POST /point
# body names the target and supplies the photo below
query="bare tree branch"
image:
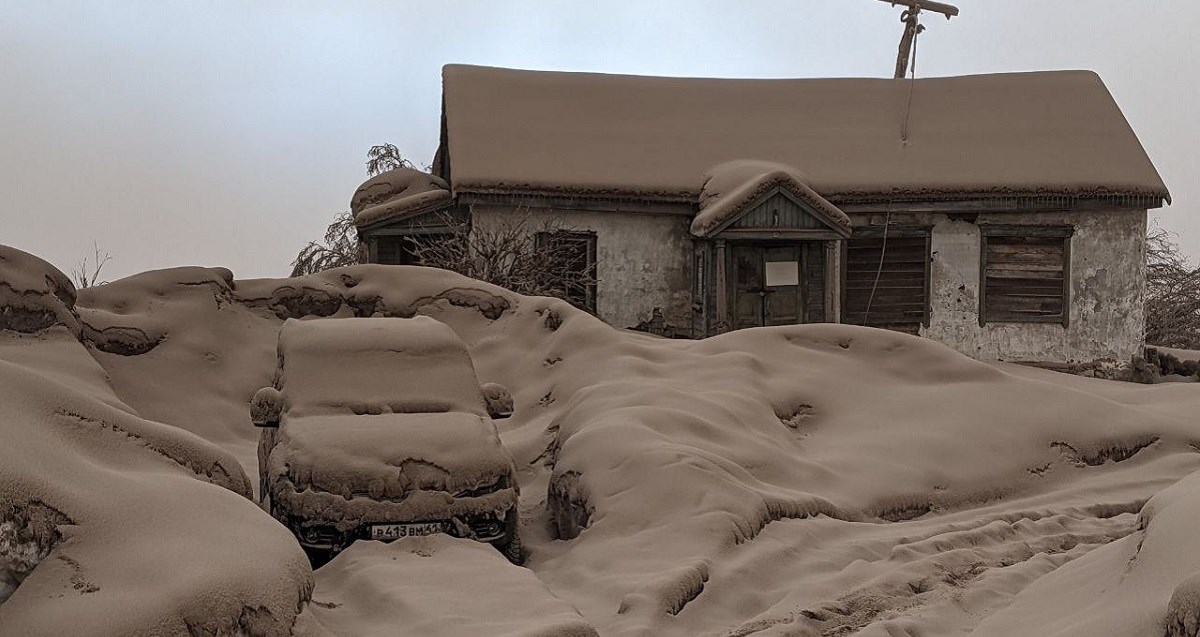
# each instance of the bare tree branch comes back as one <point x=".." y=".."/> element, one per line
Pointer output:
<point x="340" y="248"/>
<point x="384" y="157"/>
<point x="86" y="276"/>
<point x="506" y="253"/>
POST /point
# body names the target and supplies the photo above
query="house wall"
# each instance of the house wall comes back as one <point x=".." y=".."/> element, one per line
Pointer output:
<point x="643" y="260"/>
<point x="1106" y="320"/>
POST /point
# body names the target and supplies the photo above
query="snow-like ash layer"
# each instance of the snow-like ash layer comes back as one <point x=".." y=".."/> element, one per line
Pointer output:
<point x="126" y="319"/>
<point x="1006" y="134"/>
<point x="114" y="525"/>
<point x="690" y="450"/>
<point x="34" y="295"/>
<point x="800" y="480"/>
<point x="435" y="586"/>
<point x="376" y="365"/>
<point x="1144" y="584"/>
<point x="397" y="193"/>
<point x="729" y="187"/>
<point x="211" y="352"/>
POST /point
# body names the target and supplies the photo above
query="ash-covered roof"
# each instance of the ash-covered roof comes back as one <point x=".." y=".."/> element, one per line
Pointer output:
<point x="396" y="194"/>
<point x="1013" y="134"/>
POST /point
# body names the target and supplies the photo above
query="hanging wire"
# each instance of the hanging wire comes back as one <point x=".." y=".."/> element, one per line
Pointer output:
<point x="887" y="221"/>
<point x="912" y="81"/>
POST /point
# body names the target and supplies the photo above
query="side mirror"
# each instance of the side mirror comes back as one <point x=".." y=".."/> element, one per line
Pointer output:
<point x="265" y="406"/>
<point x="499" y="400"/>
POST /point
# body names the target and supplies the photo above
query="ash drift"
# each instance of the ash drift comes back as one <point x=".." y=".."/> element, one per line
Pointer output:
<point x="799" y="480"/>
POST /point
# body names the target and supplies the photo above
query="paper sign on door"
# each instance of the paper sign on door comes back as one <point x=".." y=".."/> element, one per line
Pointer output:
<point x="782" y="273"/>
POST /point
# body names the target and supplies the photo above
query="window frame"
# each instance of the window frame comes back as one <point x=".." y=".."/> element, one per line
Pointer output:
<point x="1061" y="232"/>
<point x="587" y="237"/>
<point x="897" y="230"/>
<point x="402" y="246"/>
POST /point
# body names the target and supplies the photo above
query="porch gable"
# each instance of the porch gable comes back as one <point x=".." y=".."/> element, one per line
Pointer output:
<point x="780" y="214"/>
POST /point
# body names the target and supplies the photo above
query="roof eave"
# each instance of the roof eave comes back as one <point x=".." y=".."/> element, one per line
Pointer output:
<point x="1138" y="197"/>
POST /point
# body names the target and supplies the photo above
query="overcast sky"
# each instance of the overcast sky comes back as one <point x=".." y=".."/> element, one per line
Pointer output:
<point x="229" y="133"/>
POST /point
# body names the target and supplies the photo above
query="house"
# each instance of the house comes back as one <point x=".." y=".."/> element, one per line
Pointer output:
<point x="1003" y="214"/>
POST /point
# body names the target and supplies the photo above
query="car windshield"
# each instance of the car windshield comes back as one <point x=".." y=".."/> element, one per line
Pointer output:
<point x="370" y="366"/>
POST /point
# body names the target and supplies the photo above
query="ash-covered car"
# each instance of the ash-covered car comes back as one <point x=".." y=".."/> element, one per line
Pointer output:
<point x="377" y="428"/>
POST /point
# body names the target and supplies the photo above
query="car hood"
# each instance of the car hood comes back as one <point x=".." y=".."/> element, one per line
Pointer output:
<point x="387" y="456"/>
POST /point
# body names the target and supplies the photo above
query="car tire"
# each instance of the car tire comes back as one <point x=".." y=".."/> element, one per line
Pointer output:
<point x="511" y="546"/>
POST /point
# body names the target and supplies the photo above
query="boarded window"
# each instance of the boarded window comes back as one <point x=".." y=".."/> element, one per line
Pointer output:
<point x="1026" y="274"/>
<point x="887" y="280"/>
<point x="572" y="257"/>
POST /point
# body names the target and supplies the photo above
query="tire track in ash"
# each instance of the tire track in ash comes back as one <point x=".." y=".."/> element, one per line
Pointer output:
<point x="827" y="577"/>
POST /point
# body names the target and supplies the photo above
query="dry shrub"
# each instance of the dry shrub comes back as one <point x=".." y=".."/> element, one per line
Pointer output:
<point x="1172" y="293"/>
<point x="88" y="275"/>
<point x="508" y="254"/>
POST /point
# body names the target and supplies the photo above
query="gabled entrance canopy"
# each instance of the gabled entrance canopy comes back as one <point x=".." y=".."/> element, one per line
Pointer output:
<point x="763" y="200"/>
<point x="773" y="243"/>
<point x="397" y="205"/>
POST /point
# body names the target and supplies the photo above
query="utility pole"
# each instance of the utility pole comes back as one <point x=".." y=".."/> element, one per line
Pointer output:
<point x="912" y="27"/>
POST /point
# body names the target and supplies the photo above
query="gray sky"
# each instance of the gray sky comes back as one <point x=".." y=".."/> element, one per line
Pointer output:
<point x="229" y="133"/>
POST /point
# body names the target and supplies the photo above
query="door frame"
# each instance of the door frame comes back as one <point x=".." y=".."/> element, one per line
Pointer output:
<point x="727" y="314"/>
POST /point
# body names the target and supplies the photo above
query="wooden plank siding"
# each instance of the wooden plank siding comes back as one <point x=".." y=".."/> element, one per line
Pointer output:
<point x="814" y="281"/>
<point x="779" y="210"/>
<point x="886" y="282"/>
<point x="1026" y="277"/>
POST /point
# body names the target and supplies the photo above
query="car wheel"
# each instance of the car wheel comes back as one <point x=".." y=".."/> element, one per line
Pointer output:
<point x="511" y="546"/>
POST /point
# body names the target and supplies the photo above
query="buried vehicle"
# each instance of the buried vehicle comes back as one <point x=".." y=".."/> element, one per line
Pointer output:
<point x="377" y="428"/>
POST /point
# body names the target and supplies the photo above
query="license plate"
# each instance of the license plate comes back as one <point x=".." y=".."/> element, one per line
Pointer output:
<point x="397" y="531"/>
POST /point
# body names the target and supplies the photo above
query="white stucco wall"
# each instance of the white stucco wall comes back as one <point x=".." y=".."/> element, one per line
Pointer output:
<point x="1107" y="291"/>
<point x="643" y="260"/>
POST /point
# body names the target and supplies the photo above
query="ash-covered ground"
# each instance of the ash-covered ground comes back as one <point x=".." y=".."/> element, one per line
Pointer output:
<point x="807" y="480"/>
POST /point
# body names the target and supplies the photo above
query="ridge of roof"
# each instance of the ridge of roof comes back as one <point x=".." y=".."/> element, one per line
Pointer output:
<point x="456" y="68"/>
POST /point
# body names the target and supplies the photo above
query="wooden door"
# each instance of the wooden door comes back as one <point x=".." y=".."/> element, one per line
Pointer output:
<point x="781" y="279"/>
<point x="748" y="289"/>
<point x="767" y="285"/>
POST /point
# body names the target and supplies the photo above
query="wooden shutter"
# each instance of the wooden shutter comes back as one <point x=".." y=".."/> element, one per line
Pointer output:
<point x="901" y="296"/>
<point x="1026" y="275"/>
